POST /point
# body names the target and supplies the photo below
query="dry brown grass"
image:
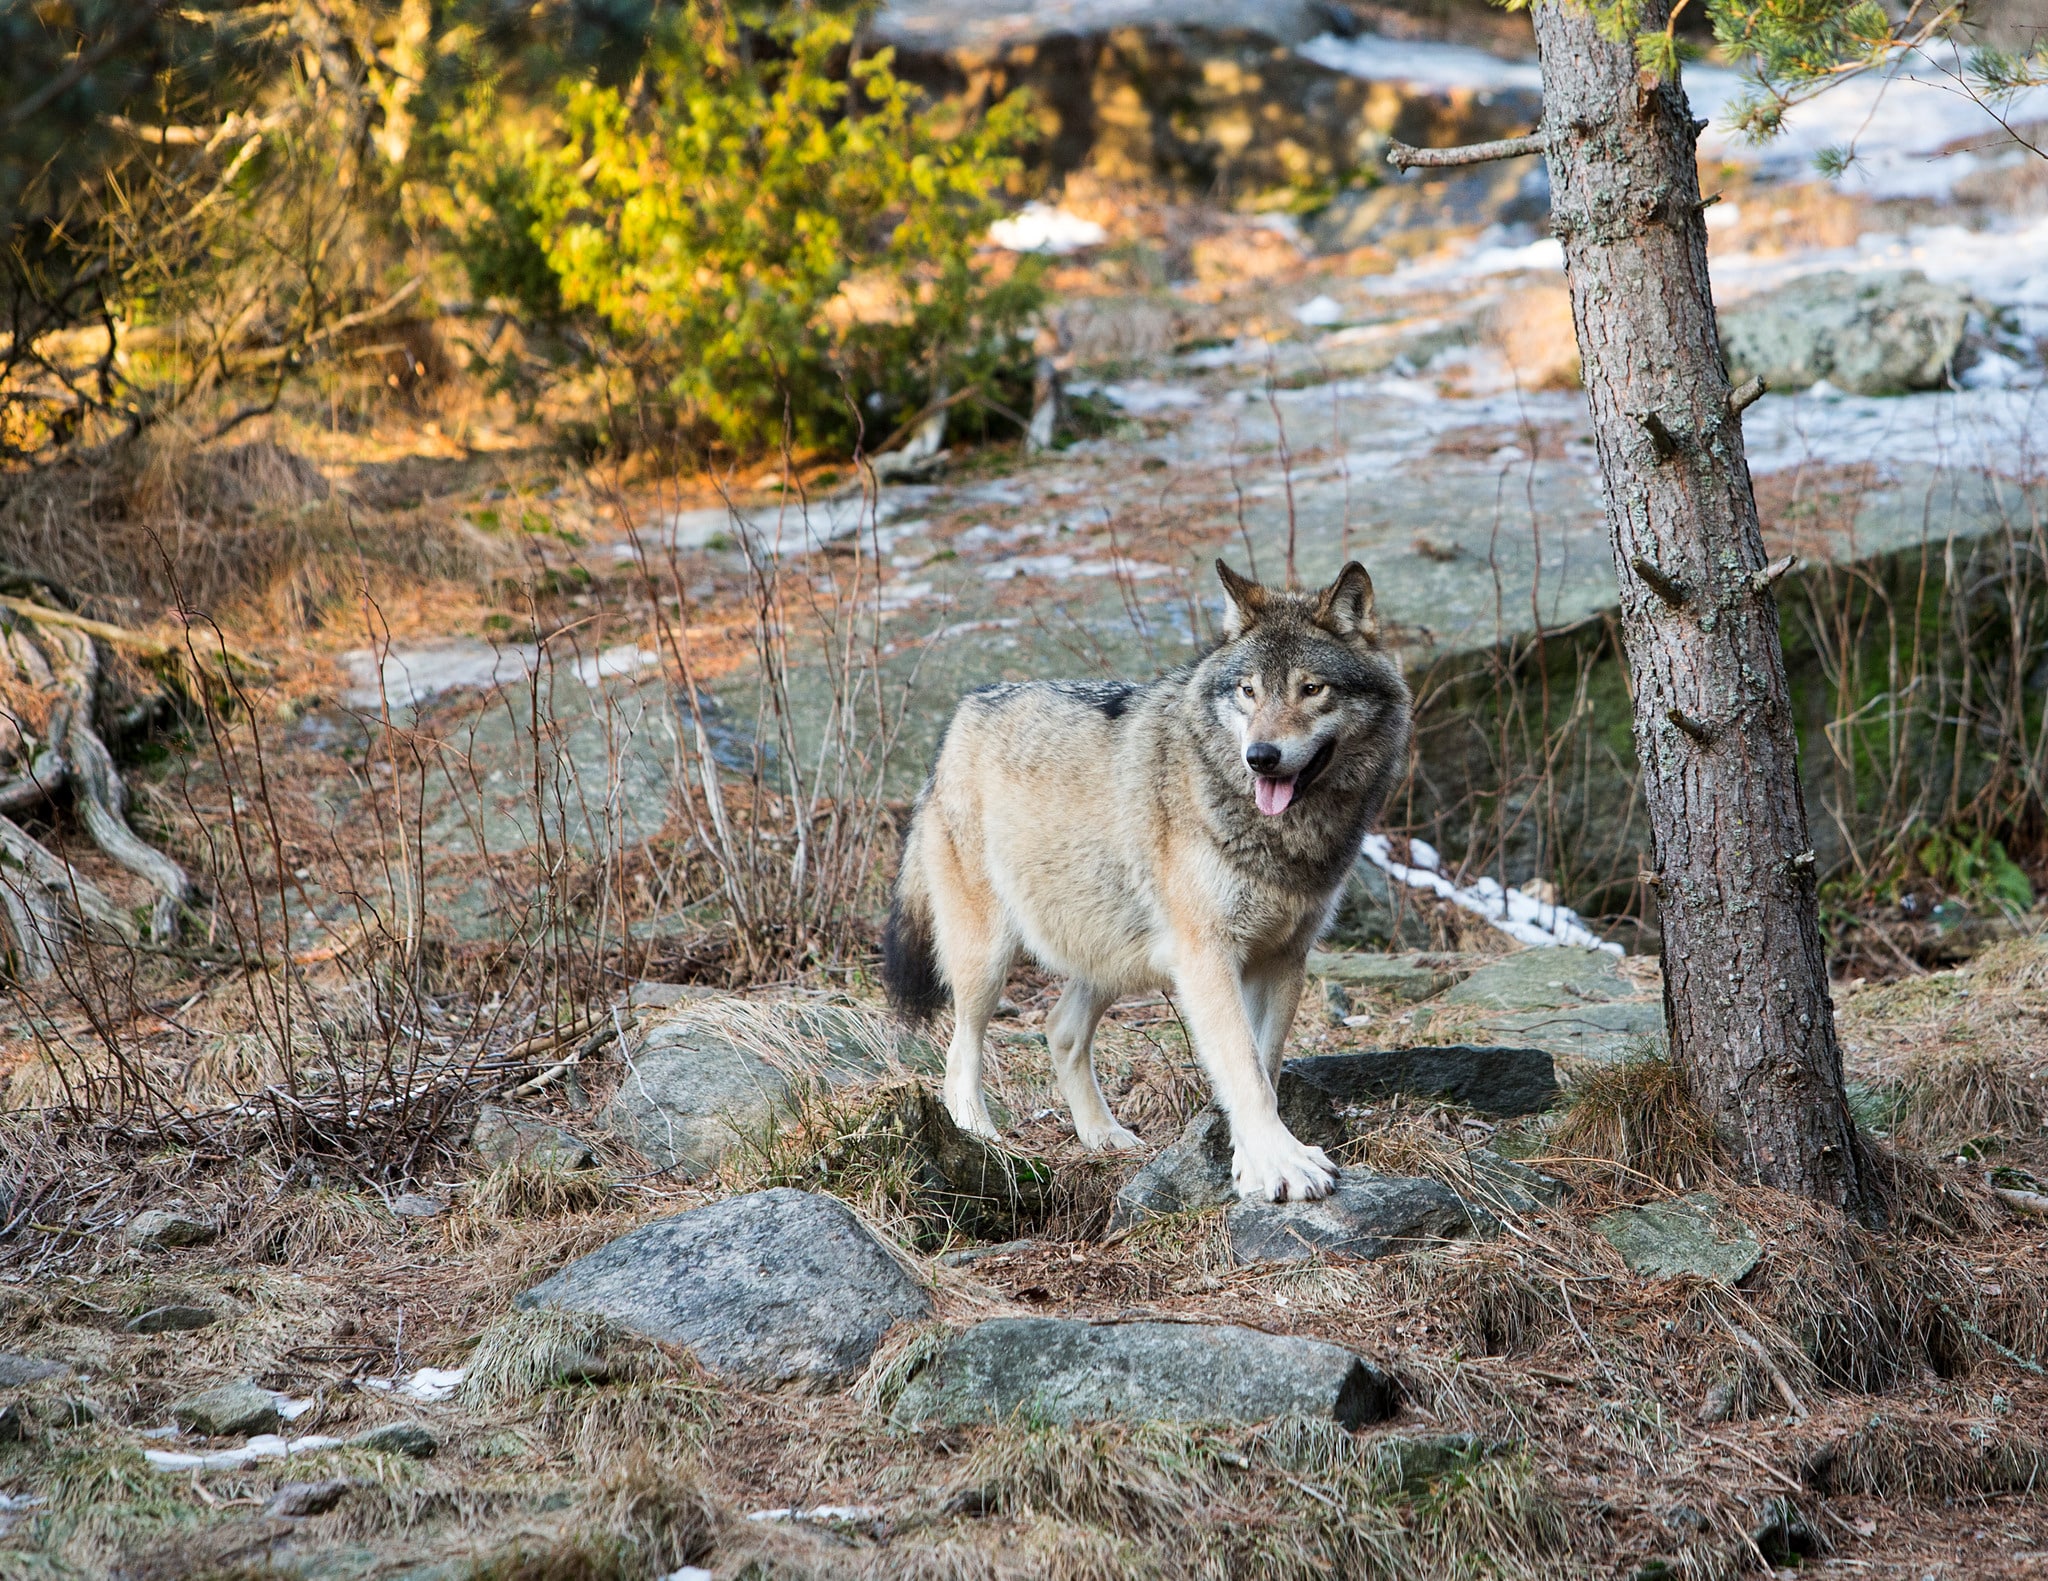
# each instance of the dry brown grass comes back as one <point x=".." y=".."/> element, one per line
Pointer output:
<point x="250" y="528"/>
<point x="1635" y="1122"/>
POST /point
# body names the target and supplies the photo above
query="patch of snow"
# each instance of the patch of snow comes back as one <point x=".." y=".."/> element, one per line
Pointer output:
<point x="1041" y="228"/>
<point x="1897" y="122"/>
<point x="1375" y="58"/>
<point x="793" y="527"/>
<point x="1320" y="312"/>
<point x="1062" y="565"/>
<point x="264" y="1446"/>
<point x="688" y="1573"/>
<point x="1987" y="430"/>
<point x="857" y="1513"/>
<point x="411" y="676"/>
<point x="627" y="658"/>
<point x="1141" y="397"/>
<point x="431" y="1385"/>
<point x="1520" y="916"/>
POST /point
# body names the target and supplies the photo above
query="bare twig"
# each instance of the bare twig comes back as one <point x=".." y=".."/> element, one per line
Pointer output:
<point x="1404" y="157"/>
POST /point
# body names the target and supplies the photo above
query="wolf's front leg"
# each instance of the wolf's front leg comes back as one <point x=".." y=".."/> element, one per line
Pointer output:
<point x="1271" y="1165"/>
<point x="1272" y="993"/>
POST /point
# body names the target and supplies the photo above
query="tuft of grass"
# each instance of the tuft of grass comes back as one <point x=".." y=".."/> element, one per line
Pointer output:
<point x="1637" y="1120"/>
<point x="1953" y="1097"/>
<point x="645" y="1520"/>
<point x="1932" y="1461"/>
<point x="530" y="1188"/>
<point x="522" y="1353"/>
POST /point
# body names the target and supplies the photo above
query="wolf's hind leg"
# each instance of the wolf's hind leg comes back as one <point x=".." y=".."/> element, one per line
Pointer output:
<point x="975" y="952"/>
<point x="1070" y="1030"/>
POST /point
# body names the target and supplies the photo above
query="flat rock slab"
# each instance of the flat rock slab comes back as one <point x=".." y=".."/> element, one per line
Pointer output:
<point x="1602" y="1033"/>
<point x="705" y="1075"/>
<point x="773" y="1288"/>
<point x="1544" y="979"/>
<point x="1065" y="1370"/>
<point x="1504" y="1081"/>
<point x="172" y="1319"/>
<point x="1408" y="979"/>
<point x="229" y="1411"/>
<point x="1694" y="1236"/>
<point x="1367" y="1216"/>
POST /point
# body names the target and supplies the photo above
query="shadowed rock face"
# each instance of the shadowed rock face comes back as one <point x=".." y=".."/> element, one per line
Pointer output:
<point x="1062" y="1370"/>
<point x="1505" y="1081"/>
<point x="773" y="1288"/>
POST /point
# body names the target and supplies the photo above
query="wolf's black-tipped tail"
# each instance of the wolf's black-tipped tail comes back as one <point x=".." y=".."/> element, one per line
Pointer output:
<point x="910" y="956"/>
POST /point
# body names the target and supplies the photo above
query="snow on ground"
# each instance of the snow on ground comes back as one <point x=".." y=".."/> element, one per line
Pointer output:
<point x="1521" y="917"/>
<point x="2000" y="431"/>
<point x="1897" y="123"/>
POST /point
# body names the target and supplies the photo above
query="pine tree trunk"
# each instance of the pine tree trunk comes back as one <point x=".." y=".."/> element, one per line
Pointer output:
<point x="1745" y="978"/>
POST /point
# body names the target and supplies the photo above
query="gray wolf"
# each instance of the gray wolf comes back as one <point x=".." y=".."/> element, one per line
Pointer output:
<point x="1191" y="834"/>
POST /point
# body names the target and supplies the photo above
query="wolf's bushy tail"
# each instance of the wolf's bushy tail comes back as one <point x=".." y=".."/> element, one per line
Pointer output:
<point x="910" y="956"/>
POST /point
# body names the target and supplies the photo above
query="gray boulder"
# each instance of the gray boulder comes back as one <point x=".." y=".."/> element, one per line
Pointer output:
<point x="156" y="1229"/>
<point x="773" y="1288"/>
<point x="1367" y="1216"/>
<point x="1505" y="1081"/>
<point x="1870" y="334"/>
<point x="229" y="1411"/>
<point x="1065" y="1370"/>
<point x="1695" y="1236"/>
<point x="295" y="1500"/>
<point x="706" y="1074"/>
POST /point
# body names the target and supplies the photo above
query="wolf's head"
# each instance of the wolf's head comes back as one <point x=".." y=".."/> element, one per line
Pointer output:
<point x="1307" y="694"/>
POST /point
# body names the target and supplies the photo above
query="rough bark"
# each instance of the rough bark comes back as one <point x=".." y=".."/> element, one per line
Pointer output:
<point x="1745" y="977"/>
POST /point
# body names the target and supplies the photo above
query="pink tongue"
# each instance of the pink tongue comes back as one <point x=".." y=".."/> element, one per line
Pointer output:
<point x="1272" y="795"/>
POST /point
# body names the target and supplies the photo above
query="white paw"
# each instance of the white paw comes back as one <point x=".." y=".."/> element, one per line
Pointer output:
<point x="1277" y="1168"/>
<point x="1108" y="1138"/>
<point x="973" y="1118"/>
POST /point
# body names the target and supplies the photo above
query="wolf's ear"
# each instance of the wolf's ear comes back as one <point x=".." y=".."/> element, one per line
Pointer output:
<point x="1346" y="606"/>
<point x="1247" y="601"/>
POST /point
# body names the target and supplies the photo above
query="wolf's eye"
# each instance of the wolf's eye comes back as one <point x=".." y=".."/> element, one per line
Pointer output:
<point x="1249" y="690"/>
<point x="1310" y="688"/>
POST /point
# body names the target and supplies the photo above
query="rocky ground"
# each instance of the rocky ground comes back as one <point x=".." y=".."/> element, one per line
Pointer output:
<point x="516" y="1176"/>
<point x="734" y="1294"/>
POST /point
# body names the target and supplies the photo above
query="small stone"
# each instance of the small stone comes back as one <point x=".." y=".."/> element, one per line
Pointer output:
<point x="772" y="1288"/>
<point x="230" y="1411"/>
<point x="1367" y="1216"/>
<point x="1719" y="1404"/>
<point x="502" y="1136"/>
<point x="1337" y="1007"/>
<point x="399" y="1438"/>
<point x="968" y="1256"/>
<point x="1504" y="1081"/>
<point x="156" y="1228"/>
<point x="1065" y="1370"/>
<point x="19" y="1371"/>
<point x="297" y="1499"/>
<point x="418" y="1205"/>
<point x="15" y="1423"/>
<point x="172" y="1319"/>
<point x="1695" y="1236"/>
